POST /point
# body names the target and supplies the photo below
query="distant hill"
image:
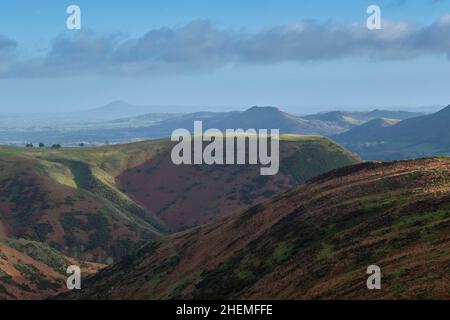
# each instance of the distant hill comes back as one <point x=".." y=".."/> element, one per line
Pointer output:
<point x="365" y="131"/>
<point x="120" y="122"/>
<point x="332" y="116"/>
<point x="121" y="109"/>
<point x="389" y="114"/>
<point x="313" y="242"/>
<point x="116" y="110"/>
<point x="253" y="118"/>
<point x="422" y="136"/>
<point x="352" y="119"/>
<point x="151" y="126"/>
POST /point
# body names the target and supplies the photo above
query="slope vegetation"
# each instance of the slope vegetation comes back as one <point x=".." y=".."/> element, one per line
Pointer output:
<point x="187" y="196"/>
<point x="68" y="199"/>
<point x="32" y="270"/>
<point x="315" y="241"/>
<point x="101" y="204"/>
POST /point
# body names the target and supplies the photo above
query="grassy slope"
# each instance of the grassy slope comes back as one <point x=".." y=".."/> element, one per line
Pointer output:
<point x="71" y="193"/>
<point x="32" y="270"/>
<point x="315" y="241"/>
<point x="68" y="198"/>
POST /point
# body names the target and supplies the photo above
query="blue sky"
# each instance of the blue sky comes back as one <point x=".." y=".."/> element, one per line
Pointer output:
<point x="223" y="53"/>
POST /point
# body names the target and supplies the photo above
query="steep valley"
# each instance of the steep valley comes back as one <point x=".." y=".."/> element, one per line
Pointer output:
<point x="102" y="204"/>
<point x="315" y="241"/>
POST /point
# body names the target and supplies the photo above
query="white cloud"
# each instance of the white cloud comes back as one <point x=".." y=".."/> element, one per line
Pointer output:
<point x="201" y="46"/>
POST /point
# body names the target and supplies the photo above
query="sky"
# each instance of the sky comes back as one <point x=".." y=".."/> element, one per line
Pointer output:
<point x="312" y="55"/>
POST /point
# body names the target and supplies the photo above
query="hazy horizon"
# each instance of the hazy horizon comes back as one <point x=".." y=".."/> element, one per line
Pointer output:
<point x="299" y="110"/>
<point x="299" y="55"/>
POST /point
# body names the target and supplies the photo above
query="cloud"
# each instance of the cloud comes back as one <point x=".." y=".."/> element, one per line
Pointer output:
<point x="200" y="46"/>
<point x="7" y="49"/>
<point x="196" y="46"/>
<point x="6" y="45"/>
<point x="313" y="41"/>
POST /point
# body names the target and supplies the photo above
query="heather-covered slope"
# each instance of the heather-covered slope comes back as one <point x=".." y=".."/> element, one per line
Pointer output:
<point x="32" y="270"/>
<point x="69" y="199"/>
<point x="315" y="241"/>
<point x="187" y="195"/>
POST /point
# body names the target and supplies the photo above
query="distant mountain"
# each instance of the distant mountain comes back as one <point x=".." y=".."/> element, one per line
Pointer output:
<point x="388" y="114"/>
<point x="313" y="242"/>
<point x="352" y="119"/>
<point x="151" y="125"/>
<point x="253" y="118"/>
<point x="332" y="116"/>
<point x="121" y="109"/>
<point x="422" y="136"/>
<point x="116" y="110"/>
<point x="365" y="131"/>
<point x="268" y="118"/>
<point x="120" y="122"/>
<point x="265" y="118"/>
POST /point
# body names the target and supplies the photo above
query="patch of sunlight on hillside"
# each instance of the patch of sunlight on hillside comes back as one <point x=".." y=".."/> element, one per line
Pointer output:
<point x="354" y="121"/>
<point x="57" y="172"/>
<point x="300" y="137"/>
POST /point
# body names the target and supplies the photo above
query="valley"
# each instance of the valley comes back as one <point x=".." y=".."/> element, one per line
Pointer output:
<point x="253" y="153"/>
<point x="99" y="205"/>
<point x="127" y="215"/>
<point x="313" y="242"/>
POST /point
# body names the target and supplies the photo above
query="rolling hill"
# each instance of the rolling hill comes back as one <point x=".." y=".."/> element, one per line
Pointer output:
<point x="366" y="131"/>
<point x="253" y="118"/>
<point x="188" y="196"/>
<point x="411" y="138"/>
<point x="151" y="126"/>
<point x="68" y="199"/>
<point x="101" y="204"/>
<point x="352" y="119"/>
<point x="315" y="241"/>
